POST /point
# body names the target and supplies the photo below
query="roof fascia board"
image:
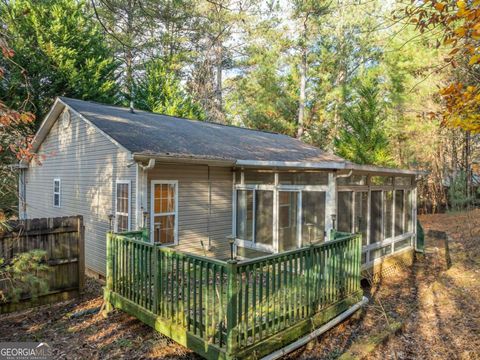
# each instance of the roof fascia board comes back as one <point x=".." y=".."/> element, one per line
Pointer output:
<point x="47" y="124"/>
<point x="381" y="170"/>
<point x="115" y="142"/>
<point x="292" y="164"/>
<point x="183" y="160"/>
<point x="50" y="120"/>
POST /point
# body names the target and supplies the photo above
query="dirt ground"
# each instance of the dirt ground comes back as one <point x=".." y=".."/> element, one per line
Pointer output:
<point x="428" y="311"/>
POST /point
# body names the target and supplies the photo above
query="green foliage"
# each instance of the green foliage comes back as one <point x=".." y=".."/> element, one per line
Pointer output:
<point x="25" y="274"/>
<point x="160" y="91"/>
<point x="458" y="194"/>
<point x="362" y="138"/>
<point x="60" y="49"/>
<point x="263" y="96"/>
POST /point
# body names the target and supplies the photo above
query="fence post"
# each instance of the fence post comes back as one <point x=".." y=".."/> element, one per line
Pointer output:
<point x="81" y="254"/>
<point x="232" y="294"/>
<point x="109" y="273"/>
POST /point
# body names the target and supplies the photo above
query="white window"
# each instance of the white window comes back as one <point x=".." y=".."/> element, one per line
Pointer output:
<point x="164" y="212"/>
<point x="122" y="206"/>
<point x="57" y="190"/>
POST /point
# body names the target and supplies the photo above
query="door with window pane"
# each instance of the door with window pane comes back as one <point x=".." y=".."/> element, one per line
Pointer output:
<point x="164" y="212"/>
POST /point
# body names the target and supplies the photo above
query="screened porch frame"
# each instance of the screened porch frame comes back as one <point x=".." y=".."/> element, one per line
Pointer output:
<point x="355" y="189"/>
<point x="276" y="188"/>
<point x="331" y="208"/>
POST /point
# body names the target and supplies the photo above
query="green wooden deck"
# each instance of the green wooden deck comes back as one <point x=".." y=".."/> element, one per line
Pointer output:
<point x="233" y="310"/>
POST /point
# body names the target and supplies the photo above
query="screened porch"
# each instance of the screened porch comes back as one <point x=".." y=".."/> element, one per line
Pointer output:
<point x="277" y="211"/>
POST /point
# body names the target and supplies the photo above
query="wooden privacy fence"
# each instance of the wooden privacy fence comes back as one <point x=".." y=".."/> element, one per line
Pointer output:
<point x="233" y="309"/>
<point x="62" y="239"/>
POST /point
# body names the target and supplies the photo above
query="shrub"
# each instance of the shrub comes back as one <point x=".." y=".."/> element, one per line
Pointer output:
<point x="25" y="274"/>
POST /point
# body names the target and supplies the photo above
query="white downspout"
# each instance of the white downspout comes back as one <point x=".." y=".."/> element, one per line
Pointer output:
<point x="149" y="166"/>
<point x="142" y="191"/>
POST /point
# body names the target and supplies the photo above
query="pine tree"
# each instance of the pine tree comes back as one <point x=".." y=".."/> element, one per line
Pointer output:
<point x="160" y="91"/>
<point x="61" y="51"/>
<point x="362" y="137"/>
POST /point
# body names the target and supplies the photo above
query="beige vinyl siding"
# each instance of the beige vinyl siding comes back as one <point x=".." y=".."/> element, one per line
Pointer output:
<point x="196" y="222"/>
<point x="88" y="164"/>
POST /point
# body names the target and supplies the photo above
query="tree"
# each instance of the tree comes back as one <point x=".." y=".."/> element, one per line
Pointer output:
<point x="15" y="134"/>
<point x="61" y="50"/>
<point x="264" y="91"/>
<point x="219" y="38"/>
<point x="362" y="138"/>
<point x="307" y="14"/>
<point x="458" y="194"/>
<point x="160" y="91"/>
<point x="459" y="25"/>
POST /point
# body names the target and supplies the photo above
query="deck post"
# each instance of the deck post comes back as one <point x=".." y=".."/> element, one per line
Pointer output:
<point x="156" y="279"/>
<point x="311" y="300"/>
<point x="109" y="273"/>
<point x="232" y="308"/>
<point x="358" y="260"/>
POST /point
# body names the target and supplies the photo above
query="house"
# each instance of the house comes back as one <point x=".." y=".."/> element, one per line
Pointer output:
<point x="193" y="184"/>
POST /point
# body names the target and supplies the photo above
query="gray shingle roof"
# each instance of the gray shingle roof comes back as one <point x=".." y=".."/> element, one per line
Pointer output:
<point x="153" y="134"/>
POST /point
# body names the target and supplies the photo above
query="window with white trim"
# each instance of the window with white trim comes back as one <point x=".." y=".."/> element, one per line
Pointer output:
<point x="57" y="190"/>
<point x="122" y="206"/>
<point x="164" y="212"/>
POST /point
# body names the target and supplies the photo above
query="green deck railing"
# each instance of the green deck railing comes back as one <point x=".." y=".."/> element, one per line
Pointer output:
<point x="233" y="309"/>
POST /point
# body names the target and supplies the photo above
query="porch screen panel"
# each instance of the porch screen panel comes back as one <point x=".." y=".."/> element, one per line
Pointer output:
<point x="361" y="210"/>
<point x="313" y="217"/>
<point x="409" y="209"/>
<point x="245" y="215"/>
<point x="388" y="214"/>
<point x="399" y="211"/>
<point x="345" y="211"/>
<point x="264" y="217"/>
<point x="287" y="220"/>
<point x="375" y="217"/>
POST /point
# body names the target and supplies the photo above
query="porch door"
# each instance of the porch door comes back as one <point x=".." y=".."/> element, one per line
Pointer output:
<point x="164" y="212"/>
<point x="288" y="210"/>
<point x="301" y="218"/>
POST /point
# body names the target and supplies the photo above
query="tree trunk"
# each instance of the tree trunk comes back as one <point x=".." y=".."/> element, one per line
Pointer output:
<point x="303" y="84"/>
<point x="218" y="85"/>
<point x="467" y="164"/>
<point x="129" y="58"/>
